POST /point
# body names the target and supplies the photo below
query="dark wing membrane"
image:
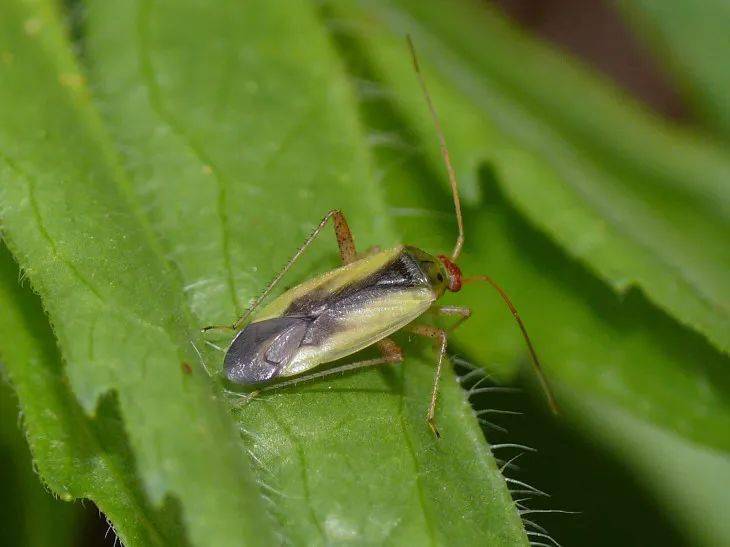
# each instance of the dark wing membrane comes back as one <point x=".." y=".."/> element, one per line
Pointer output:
<point x="403" y="272"/>
<point x="260" y="350"/>
<point x="328" y="311"/>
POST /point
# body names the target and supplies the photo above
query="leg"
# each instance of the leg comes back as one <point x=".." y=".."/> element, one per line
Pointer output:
<point x="345" y="242"/>
<point x="433" y="332"/>
<point x="393" y="358"/>
<point x="463" y="312"/>
<point x="390" y="351"/>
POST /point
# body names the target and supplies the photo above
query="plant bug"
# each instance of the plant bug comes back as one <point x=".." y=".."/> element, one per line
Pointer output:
<point x="360" y="304"/>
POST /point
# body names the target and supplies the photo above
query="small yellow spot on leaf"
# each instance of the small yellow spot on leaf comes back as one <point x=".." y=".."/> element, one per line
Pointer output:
<point x="73" y="80"/>
<point x="207" y="170"/>
<point x="32" y="26"/>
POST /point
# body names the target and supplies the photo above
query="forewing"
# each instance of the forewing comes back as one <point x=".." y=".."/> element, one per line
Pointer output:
<point x="356" y="323"/>
<point x="260" y="351"/>
<point x="305" y="297"/>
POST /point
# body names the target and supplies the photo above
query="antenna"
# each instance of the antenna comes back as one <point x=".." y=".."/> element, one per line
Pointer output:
<point x="444" y="152"/>
<point x="535" y="361"/>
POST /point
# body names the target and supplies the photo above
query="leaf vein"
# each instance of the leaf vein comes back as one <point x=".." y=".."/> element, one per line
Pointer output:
<point x="156" y="103"/>
<point x="411" y="451"/>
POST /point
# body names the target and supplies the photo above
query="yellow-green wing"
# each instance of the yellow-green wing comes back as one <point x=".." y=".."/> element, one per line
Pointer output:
<point x="329" y="282"/>
<point x="357" y="324"/>
<point x="352" y="307"/>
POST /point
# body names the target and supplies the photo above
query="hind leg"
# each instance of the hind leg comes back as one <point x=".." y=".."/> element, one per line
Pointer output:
<point x="345" y="242"/>
<point x="440" y="334"/>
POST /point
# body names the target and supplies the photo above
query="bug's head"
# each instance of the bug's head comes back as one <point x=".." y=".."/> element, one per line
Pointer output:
<point x="452" y="272"/>
<point x="443" y="275"/>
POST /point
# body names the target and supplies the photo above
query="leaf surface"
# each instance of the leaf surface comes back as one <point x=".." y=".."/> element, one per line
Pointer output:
<point x="116" y="307"/>
<point x="30" y="515"/>
<point x="76" y="456"/>
<point x="688" y="479"/>
<point x="235" y="144"/>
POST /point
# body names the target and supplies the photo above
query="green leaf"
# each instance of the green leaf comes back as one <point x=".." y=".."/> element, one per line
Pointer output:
<point x="620" y="349"/>
<point x="691" y="39"/>
<point x="690" y="480"/>
<point x="617" y="348"/>
<point x="252" y="167"/>
<point x="238" y="131"/>
<point x="29" y="515"/>
<point x="116" y="307"/>
<point x="626" y="194"/>
<point x="76" y="456"/>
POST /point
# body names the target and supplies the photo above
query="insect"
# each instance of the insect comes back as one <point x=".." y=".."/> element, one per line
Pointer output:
<point x="360" y="304"/>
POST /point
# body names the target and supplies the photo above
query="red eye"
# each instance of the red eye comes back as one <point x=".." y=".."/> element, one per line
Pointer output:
<point x="454" y="273"/>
